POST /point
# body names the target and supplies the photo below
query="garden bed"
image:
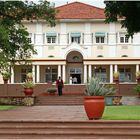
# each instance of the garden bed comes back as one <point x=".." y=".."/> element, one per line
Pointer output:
<point x="27" y="101"/>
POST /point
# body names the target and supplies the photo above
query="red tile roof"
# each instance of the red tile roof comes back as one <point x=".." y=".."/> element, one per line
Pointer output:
<point x="78" y="10"/>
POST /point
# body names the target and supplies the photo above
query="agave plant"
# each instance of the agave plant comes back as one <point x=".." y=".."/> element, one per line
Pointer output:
<point x="95" y="87"/>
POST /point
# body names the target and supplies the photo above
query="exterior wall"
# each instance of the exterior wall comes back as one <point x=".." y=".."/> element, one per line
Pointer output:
<point x="17" y="89"/>
<point x="75" y="27"/>
<point x="100" y="49"/>
<point x="111" y="48"/>
<point x="99" y="27"/>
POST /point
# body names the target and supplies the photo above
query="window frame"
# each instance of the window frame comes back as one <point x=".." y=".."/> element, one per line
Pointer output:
<point x="102" y="39"/>
<point x="52" y="38"/>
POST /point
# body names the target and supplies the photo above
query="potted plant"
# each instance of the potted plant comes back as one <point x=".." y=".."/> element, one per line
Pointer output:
<point x="116" y="76"/>
<point x="137" y="89"/>
<point x="51" y="90"/>
<point x="6" y="76"/>
<point x="29" y="76"/>
<point x="138" y="76"/>
<point x="110" y="97"/>
<point x="28" y="87"/>
<point x="94" y="102"/>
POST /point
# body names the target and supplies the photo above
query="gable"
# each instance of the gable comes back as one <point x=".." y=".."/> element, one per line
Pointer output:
<point x="78" y="10"/>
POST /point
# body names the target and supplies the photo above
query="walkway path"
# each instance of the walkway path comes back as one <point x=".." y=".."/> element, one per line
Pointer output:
<point x="53" y="113"/>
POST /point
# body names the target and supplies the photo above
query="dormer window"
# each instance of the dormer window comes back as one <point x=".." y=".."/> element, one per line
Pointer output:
<point x="100" y="37"/>
<point x="76" y="37"/>
<point x="51" y="38"/>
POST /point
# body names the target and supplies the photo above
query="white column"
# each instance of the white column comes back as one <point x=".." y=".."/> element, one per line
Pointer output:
<point x="116" y="68"/>
<point x="85" y="73"/>
<point x="111" y="73"/>
<point x="89" y="72"/>
<point x="137" y="67"/>
<point x="37" y="73"/>
<point x="33" y="72"/>
<point x="12" y="75"/>
<point x="64" y="73"/>
<point x="59" y="70"/>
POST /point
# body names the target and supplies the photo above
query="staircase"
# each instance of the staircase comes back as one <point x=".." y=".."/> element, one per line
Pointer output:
<point x="59" y="100"/>
<point x="97" y="129"/>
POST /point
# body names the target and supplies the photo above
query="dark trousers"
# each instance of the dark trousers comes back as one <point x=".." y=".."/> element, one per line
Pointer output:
<point x="59" y="90"/>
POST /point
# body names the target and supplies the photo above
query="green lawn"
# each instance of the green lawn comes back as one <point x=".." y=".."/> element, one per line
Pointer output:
<point x="121" y="113"/>
<point x="6" y="107"/>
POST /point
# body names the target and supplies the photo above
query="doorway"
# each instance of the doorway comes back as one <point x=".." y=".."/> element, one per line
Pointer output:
<point x="74" y="67"/>
<point x="77" y="77"/>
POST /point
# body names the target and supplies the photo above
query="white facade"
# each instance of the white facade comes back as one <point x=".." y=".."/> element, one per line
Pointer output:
<point x="82" y="47"/>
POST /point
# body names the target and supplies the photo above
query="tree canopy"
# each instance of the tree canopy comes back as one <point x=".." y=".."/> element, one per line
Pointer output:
<point x="127" y="11"/>
<point x="14" y="37"/>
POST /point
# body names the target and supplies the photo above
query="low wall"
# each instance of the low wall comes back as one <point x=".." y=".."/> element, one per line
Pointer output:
<point x="17" y="89"/>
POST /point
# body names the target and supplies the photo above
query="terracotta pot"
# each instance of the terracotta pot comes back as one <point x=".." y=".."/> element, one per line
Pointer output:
<point x="116" y="80"/>
<point x="28" y="91"/>
<point x="138" y="79"/>
<point x="5" y="81"/>
<point x="94" y="106"/>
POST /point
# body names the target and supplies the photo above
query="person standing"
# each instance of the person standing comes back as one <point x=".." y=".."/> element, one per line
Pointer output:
<point x="60" y="85"/>
<point x="75" y="80"/>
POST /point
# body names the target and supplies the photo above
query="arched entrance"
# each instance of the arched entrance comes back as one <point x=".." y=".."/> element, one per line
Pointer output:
<point x="74" y="67"/>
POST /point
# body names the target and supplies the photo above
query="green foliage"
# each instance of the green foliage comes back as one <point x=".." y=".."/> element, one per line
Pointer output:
<point x="137" y="88"/>
<point x="96" y="87"/>
<point x="128" y="11"/>
<point x="14" y="42"/>
<point x="51" y="90"/>
<point x="28" y="84"/>
<point x="6" y="75"/>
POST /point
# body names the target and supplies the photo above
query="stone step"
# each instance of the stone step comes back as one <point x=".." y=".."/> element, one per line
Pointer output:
<point x="69" y="129"/>
<point x="59" y="100"/>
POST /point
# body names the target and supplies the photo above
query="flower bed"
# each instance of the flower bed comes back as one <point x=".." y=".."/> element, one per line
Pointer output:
<point x="27" y="101"/>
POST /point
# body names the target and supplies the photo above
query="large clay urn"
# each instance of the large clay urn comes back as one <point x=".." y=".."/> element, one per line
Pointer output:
<point x="28" y="91"/>
<point x="94" y="106"/>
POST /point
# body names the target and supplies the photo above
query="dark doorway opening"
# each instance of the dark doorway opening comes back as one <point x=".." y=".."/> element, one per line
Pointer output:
<point x="78" y="77"/>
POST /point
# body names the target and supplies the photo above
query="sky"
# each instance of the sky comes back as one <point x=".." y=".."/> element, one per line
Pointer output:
<point x="97" y="3"/>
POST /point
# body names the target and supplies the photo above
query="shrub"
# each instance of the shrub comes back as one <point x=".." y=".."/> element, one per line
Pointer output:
<point x="96" y="87"/>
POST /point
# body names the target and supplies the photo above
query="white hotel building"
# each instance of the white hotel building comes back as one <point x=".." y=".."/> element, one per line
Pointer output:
<point x="80" y="45"/>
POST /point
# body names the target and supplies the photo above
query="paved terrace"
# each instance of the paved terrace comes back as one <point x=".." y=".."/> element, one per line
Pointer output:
<point x="50" y="113"/>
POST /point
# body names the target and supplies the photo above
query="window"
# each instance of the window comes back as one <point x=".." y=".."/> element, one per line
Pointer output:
<point x="100" y="73"/>
<point x="51" y="74"/>
<point x="100" y="37"/>
<point x="75" y="70"/>
<point x="30" y="38"/>
<point x="76" y="37"/>
<point x="124" y="38"/>
<point x="125" y="74"/>
<point x="51" y="38"/>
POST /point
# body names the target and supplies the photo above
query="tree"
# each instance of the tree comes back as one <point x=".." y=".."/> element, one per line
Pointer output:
<point x="127" y="11"/>
<point x="14" y="42"/>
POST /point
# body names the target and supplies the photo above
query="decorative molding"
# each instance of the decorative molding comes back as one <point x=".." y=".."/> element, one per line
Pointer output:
<point x="124" y="47"/>
<point x="50" y="47"/>
<point x="100" y="47"/>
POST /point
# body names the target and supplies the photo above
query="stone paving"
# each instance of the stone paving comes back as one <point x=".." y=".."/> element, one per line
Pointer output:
<point x="129" y="100"/>
<point x="50" y="113"/>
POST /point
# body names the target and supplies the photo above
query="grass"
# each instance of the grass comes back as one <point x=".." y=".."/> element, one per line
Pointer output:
<point x="6" y="107"/>
<point x="121" y="113"/>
